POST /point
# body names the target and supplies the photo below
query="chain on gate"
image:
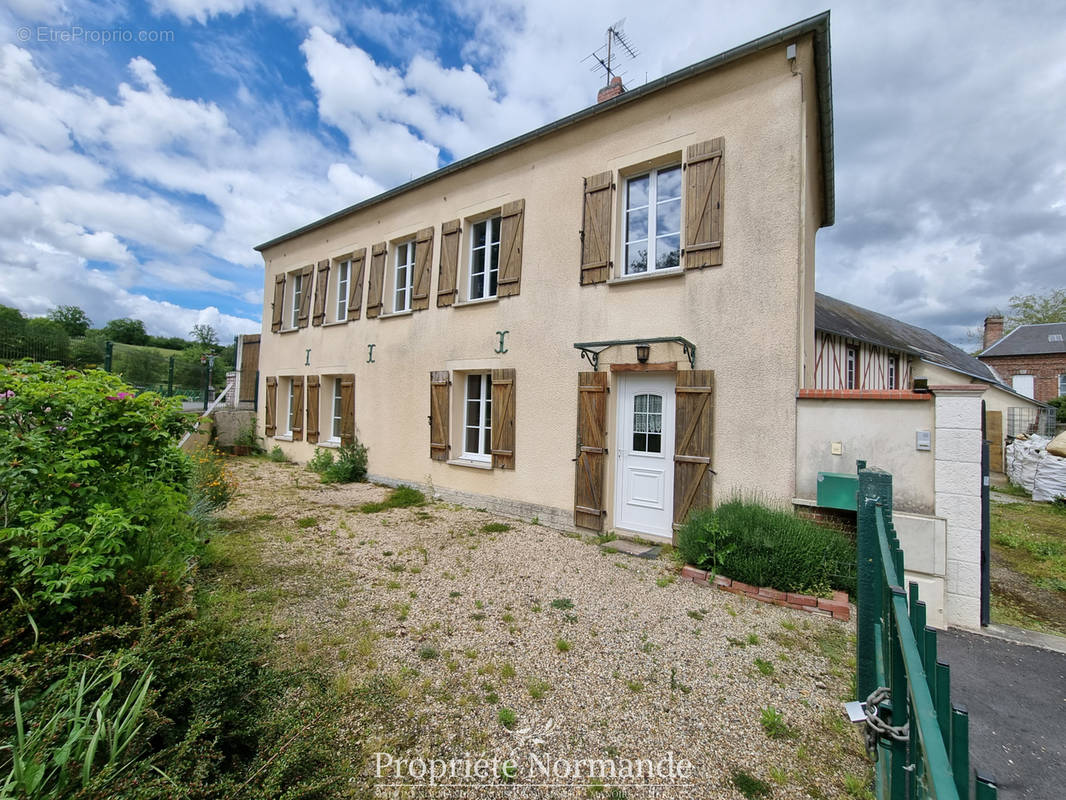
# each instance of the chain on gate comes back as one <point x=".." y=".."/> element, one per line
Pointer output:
<point x="877" y="728"/>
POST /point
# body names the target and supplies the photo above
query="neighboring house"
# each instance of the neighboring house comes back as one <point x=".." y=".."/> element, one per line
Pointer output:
<point x="1031" y="358"/>
<point x="593" y="323"/>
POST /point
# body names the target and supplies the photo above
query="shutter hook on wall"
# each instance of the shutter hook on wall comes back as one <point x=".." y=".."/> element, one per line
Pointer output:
<point x="370" y="354"/>
<point x="307" y="357"/>
<point x="502" y="348"/>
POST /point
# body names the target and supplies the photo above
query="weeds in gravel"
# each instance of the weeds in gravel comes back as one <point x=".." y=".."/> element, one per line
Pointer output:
<point x="698" y="615"/>
<point x="774" y="724"/>
<point x="400" y="497"/>
<point x="750" y="786"/>
<point x="562" y="645"/>
<point x="537" y="688"/>
<point x="857" y="787"/>
<point x="495" y="527"/>
<point x="507" y="718"/>
<point x="665" y="581"/>
<point x="507" y="670"/>
<point x="562" y="603"/>
<point x="428" y="653"/>
<point x="306" y="522"/>
<point x="765" y="667"/>
<point x="635" y="686"/>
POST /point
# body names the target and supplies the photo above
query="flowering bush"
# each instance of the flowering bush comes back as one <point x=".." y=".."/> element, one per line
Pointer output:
<point x="88" y="471"/>
<point x="213" y="483"/>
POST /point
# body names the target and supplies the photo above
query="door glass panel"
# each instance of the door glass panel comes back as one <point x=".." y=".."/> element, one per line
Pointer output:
<point x="647" y="423"/>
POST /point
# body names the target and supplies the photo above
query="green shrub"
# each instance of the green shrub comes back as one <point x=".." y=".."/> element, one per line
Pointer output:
<point x="762" y="546"/>
<point x="350" y="466"/>
<point x="278" y="455"/>
<point x="320" y="461"/>
<point x="400" y="497"/>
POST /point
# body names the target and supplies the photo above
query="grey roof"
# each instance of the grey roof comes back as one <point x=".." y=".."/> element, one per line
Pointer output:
<point x="817" y="25"/>
<point x="1031" y="340"/>
<point x="836" y="316"/>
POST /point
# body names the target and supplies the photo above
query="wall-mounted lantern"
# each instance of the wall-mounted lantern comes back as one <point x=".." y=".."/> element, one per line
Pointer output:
<point x="643" y="351"/>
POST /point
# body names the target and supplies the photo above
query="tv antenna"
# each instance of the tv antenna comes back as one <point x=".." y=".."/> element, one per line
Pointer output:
<point x="604" y="58"/>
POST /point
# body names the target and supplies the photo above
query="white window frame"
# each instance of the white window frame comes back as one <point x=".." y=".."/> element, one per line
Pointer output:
<point x="851" y="367"/>
<point x="484" y="413"/>
<point x="405" y="250"/>
<point x="336" y="413"/>
<point x="653" y="234"/>
<point x="344" y="273"/>
<point x="492" y="225"/>
<point x="892" y="373"/>
<point x="1062" y="384"/>
<point x="297" y="297"/>
<point x="289" y="417"/>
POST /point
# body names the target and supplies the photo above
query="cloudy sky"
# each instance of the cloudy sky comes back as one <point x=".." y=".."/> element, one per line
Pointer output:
<point x="145" y="148"/>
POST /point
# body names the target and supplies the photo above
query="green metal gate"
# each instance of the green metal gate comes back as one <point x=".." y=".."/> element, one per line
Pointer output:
<point x="919" y="738"/>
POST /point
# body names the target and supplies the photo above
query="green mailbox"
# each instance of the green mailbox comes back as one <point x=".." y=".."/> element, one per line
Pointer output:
<point x="837" y="490"/>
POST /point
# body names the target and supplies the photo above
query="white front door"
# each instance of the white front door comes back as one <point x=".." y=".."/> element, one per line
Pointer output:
<point x="644" y="468"/>
<point x="1023" y="384"/>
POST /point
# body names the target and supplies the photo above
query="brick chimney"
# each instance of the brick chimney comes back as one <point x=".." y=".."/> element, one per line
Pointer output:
<point x="993" y="330"/>
<point x="611" y="90"/>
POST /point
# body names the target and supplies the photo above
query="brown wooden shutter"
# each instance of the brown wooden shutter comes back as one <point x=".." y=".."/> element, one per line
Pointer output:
<point x="449" y="262"/>
<point x="703" y="204"/>
<point x="249" y="368"/>
<point x="321" y="287"/>
<point x="512" y="227"/>
<point x="423" y="269"/>
<point x="376" y="281"/>
<point x="693" y="443"/>
<point x="297" y="408"/>
<point x="439" y="400"/>
<point x="306" y="280"/>
<point x="279" y="303"/>
<point x="312" y="408"/>
<point x="355" y="283"/>
<point x="596" y="229"/>
<point x="348" y="409"/>
<point x="591" y="450"/>
<point x="503" y="403"/>
<point x="270" y="415"/>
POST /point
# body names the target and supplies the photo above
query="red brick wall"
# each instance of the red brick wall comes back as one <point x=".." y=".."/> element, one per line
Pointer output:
<point x="1045" y="370"/>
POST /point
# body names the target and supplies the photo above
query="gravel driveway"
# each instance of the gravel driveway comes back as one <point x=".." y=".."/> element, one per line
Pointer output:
<point x="469" y="633"/>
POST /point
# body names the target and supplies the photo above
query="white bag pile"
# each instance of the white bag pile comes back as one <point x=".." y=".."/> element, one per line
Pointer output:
<point x="1031" y="466"/>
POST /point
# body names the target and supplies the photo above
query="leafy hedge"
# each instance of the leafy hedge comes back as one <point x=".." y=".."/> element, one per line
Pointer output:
<point x="763" y="546"/>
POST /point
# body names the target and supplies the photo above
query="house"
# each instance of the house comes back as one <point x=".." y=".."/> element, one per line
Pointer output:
<point x="597" y="323"/>
<point x="1032" y="358"/>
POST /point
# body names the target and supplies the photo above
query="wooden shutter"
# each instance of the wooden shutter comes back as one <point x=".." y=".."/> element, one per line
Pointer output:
<point x="449" y="262"/>
<point x="278" y="307"/>
<point x="249" y="368"/>
<point x="376" y="281"/>
<point x="297" y="408"/>
<point x="596" y="229"/>
<point x="423" y="269"/>
<point x="270" y="416"/>
<point x="306" y="280"/>
<point x="503" y="402"/>
<point x="321" y="288"/>
<point x="312" y="408"/>
<point x="348" y="409"/>
<point x="591" y="449"/>
<point x="703" y="204"/>
<point x="512" y="227"/>
<point x="439" y="400"/>
<point x="355" y="283"/>
<point x="693" y="443"/>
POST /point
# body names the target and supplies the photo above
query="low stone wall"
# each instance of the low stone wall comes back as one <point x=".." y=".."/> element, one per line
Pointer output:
<point x="837" y="607"/>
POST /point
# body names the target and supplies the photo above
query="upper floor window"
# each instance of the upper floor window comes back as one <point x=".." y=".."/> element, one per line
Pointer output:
<point x="335" y="428"/>
<point x="484" y="258"/>
<point x="891" y="377"/>
<point x="1062" y="384"/>
<point x="477" y="418"/>
<point x="852" y="374"/>
<point x="653" y="221"/>
<point x="343" y="275"/>
<point x="297" y="298"/>
<point x="404" y="276"/>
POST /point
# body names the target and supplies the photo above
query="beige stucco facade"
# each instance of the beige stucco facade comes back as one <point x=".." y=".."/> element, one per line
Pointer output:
<point x="751" y="318"/>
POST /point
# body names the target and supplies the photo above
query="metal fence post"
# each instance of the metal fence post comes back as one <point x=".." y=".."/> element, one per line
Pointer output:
<point x="875" y="487"/>
<point x="109" y="348"/>
<point x="170" y="378"/>
<point x="255" y="397"/>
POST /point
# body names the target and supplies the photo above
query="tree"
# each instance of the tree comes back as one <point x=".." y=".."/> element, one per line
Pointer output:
<point x="205" y="336"/>
<point x="1034" y="309"/>
<point x="74" y="321"/>
<point x="126" y="331"/>
<point x="12" y="323"/>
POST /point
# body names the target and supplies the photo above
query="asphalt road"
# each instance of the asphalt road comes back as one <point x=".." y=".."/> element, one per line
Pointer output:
<point x="1016" y="697"/>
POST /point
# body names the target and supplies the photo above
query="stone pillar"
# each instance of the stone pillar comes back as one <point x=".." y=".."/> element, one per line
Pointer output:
<point x="957" y="485"/>
<point x="231" y="389"/>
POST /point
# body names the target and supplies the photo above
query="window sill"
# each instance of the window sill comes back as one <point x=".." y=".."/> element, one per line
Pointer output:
<point x="479" y="302"/>
<point x="673" y="272"/>
<point x="468" y="462"/>
<point x="392" y="314"/>
<point x="283" y="437"/>
<point x="334" y="323"/>
<point x="289" y="330"/>
<point x="331" y="443"/>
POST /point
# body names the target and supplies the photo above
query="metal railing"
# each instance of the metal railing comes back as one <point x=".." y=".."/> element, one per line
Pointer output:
<point x="920" y="740"/>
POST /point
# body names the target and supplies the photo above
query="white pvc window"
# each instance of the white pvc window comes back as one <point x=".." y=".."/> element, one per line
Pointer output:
<point x="336" y="429"/>
<point x="297" y="297"/>
<point x="484" y="258"/>
<point x="653" y="221"/>
<point x="647" y="423"/>
<point x="290" y="416"/>
<point x="343" y="270"/>
<point x="1062" y="384"/>
<point x="405" y="263"/>
<point x="892" y="373"/>
<point x="851" y="374"/>
<point x="477" y="427"/>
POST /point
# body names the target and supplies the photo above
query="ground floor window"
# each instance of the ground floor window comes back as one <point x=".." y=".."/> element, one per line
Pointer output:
<point x="1062" y="384"/>
<point x="477" y="422"/>
<point x="290" y="407"/>
<point x="335" y="428"/>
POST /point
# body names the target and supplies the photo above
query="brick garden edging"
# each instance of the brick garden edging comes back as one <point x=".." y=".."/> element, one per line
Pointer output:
<point x="838" y="607"/>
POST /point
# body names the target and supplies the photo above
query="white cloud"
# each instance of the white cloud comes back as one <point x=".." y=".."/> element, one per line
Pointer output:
<point x="308" y="12"/>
